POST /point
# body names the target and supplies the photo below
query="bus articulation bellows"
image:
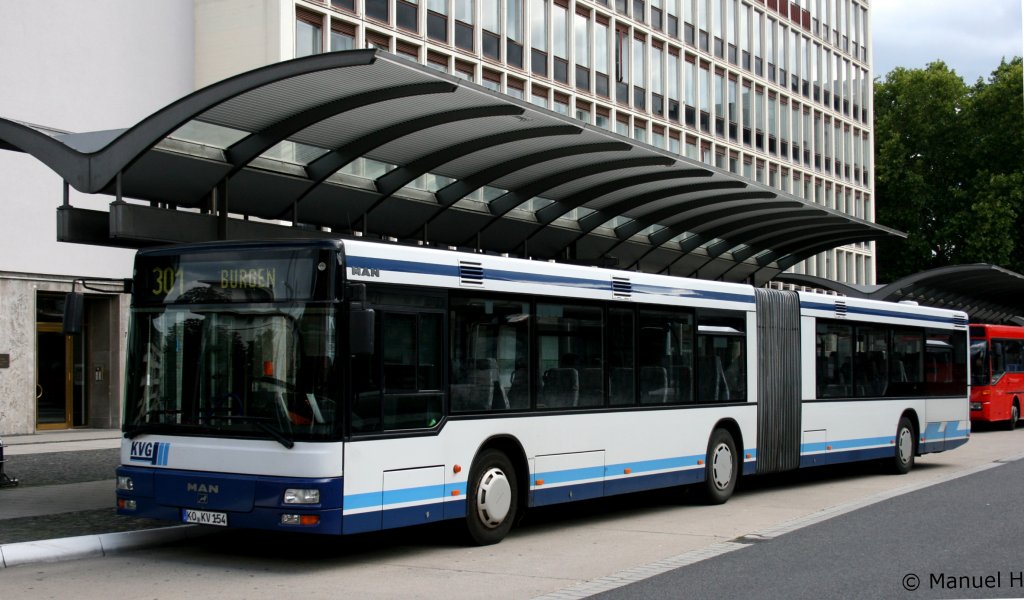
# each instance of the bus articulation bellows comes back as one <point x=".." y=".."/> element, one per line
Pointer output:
<point x="338" y="387"/>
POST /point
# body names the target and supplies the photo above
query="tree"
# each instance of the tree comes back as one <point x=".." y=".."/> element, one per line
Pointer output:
<point x="949" y="165"/>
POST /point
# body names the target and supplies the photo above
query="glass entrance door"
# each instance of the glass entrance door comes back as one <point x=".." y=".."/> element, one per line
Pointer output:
<point x="54" y="386"/>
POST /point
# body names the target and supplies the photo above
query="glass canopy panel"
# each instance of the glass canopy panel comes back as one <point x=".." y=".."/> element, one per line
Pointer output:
<point x="294" y="152"/>
<point x="208" y="134"/>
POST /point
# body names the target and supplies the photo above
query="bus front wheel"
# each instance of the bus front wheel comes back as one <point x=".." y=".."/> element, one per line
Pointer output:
<point x="492" y="499"/>
<point x="721" y="469"/>
<point x="903" y="462"/>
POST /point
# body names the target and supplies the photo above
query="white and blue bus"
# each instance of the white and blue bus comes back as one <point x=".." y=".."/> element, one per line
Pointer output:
<point x="337" y="387"/>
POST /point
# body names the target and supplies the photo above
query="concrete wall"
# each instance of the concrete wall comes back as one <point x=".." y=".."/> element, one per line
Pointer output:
<point x="106" y="322"/>
<point x="74" y="66"/>
<point x="234" y="36"/>
<point x="80" y="66"/>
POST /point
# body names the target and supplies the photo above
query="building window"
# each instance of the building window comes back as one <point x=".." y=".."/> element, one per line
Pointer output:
<point x="601" y="80"/>
<point x="308" y="33"/>
<point x="657" y="84"/>
<point x="673" y="84"/>
<point x="622" y="65"/>
<point x="407" y="15"/>
<point x="561" y="104"/>
<point x="515" y="88"/>
<point x="539" y="37"/>
<point x="438" y="61"/>
<point x="464" y="24"/>
<point x="410" y="51"/>
<point x="514" y="33"/>
<point x="639" y="73"/>
<point x="378" y="40"/>
<point x="583" y="111"/>
<point x="581" y="33"/>
<point x="437" y="20"/>
<point x="343" y="35"/>
<point x="490" y="24"/>
<point x="560" y="40"/>
<point x="491" y="80"/>
<point x="378" y="9"/>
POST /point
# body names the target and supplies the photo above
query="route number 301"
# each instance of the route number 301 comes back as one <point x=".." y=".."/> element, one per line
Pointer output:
<point x="165" y="280"/>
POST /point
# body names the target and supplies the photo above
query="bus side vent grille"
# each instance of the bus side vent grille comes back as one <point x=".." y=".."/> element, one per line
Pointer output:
<point x="471" y="273"/>
<point x="841" y="309"/>
<point x="622" y="287"/>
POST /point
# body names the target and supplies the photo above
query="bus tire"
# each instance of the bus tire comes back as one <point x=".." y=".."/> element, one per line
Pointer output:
<point x="721" y="470"/>
<point x="492" y="498"/>
<point x="1014" y="416"/>
<point x="906" y="447"/>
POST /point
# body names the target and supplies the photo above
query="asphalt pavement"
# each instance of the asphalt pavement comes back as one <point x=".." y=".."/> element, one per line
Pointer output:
<point x="63" y="504"/>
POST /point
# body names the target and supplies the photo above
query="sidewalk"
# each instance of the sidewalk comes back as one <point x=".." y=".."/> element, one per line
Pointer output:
<point x="63" y="505"/>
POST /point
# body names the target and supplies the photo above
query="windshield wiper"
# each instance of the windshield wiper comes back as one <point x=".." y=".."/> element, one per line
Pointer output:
<point x="138" y="430"/>
<point x="138" y="427"/>
<point x="261" y="423"/>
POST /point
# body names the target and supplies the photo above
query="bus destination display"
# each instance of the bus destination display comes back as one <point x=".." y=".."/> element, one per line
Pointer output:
<point x="218" y="277"/>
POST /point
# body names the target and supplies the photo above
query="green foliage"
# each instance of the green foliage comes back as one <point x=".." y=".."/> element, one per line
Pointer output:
<point x="949" y="168"/>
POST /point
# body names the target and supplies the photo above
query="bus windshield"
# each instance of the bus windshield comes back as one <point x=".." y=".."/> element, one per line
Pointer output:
<point x="236" y="371"/>
<point x="980" y="374"/>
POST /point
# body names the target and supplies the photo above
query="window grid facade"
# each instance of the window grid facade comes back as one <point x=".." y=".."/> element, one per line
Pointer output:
<point x="774" y="91"/>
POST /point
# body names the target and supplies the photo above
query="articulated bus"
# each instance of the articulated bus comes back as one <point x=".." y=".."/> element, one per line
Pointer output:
<point x="344" y="386"/>
<point x="997" y="373"/>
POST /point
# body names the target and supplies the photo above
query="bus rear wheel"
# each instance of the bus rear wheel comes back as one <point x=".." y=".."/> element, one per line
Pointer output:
<point x="721" y="468"/>
<point x="903" y="461"/>
<point x="492" y="498"/>
<point x="1014" y="416"/>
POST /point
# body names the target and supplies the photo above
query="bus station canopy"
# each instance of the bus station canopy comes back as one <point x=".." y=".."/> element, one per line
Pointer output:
<point x="367" y="143"/>
<point x="987" y="293"/>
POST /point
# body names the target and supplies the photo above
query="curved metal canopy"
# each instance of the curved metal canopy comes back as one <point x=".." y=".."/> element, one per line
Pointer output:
<point x="364" y="142"/>
<point x="987" y="293"/>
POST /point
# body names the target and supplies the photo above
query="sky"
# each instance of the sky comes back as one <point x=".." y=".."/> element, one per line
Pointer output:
<point x="970" y="36"/>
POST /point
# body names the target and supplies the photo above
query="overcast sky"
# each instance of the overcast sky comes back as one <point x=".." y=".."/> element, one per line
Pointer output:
<point x="970" y="36"/>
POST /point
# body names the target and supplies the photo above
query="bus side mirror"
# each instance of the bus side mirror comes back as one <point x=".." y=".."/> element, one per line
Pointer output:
<point x="361" y="323"/>
<point x="74" y="306"/>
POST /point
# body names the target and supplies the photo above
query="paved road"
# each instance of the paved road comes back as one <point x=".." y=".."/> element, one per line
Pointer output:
<point x="963" y="538"/>
<point x="562" y="552"/>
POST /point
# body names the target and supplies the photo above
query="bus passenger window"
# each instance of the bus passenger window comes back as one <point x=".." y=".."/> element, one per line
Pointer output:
<point x="666" y="357"/>
<point x="834" y="356"/>
<point x="945" y="365"/>
<point x="721" y="357"/>
<point x="489" y="355"/>
<point x="620" y="331"/>
<point x="906" y="367"/>
<point x="570" y="355"/>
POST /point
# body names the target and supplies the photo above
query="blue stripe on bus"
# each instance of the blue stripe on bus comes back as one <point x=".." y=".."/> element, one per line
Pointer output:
<point x="846" y="444"/>
<point x="419" y="268"/>
<point x="879" y="312"/>
<point x="587" y="482"/>
<point x="953" y="430"/>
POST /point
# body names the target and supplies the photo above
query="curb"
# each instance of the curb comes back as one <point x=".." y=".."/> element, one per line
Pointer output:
<point x="85" y="546"/>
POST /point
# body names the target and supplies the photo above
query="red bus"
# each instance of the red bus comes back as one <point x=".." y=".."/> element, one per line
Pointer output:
<point x="997" y="373"/>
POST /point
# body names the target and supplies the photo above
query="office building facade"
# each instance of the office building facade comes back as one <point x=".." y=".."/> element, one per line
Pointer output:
<point x="776" y="92"/>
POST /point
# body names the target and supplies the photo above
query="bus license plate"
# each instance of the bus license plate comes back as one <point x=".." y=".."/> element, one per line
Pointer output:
<point x="204" y="517"/>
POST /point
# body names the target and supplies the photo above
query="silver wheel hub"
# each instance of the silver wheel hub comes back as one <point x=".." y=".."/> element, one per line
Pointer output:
<point x="493" y="498"/>
<point x="721" y="466"/>
<point x="906" y="445"/>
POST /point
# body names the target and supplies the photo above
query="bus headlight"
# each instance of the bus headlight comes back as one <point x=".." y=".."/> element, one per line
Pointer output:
<point x="125" y="483"/>
<point x="975" y="405"/>
<point x="301" y="496"/>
